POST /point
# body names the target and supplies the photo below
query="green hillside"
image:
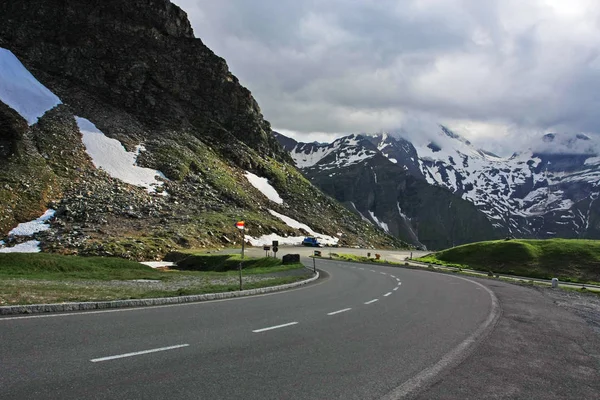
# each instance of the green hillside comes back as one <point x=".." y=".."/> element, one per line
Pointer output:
<point x="568" y="260"/>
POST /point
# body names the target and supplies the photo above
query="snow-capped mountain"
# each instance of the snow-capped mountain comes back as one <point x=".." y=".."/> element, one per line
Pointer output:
<point x="548" y="190"/>
<point x="380" y="179"/>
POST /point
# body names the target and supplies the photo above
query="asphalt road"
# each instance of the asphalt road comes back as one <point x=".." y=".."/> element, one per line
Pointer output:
<point x="358" y="333"/>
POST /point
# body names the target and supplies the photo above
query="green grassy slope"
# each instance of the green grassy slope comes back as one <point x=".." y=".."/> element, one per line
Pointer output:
<point x="568" y="260"/>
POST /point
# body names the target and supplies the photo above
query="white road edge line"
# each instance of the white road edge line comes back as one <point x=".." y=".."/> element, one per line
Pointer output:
<point x="387" y="294"/>
<point x="454" y="357"/>
<point x="339" y="311"/>
<point x="274" y="327"/>
<point x="137" y="353"/>
<point x="372" y="301"/>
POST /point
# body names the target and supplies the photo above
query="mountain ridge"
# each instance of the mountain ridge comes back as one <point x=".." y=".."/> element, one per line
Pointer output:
<point x="130" y="76"/>
<point x="546" y="191"/>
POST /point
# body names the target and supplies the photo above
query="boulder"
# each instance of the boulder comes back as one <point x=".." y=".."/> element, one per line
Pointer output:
<point x="291" y="259"/>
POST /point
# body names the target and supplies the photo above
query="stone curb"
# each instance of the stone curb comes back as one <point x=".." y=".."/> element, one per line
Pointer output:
<point x="102" y="305"/>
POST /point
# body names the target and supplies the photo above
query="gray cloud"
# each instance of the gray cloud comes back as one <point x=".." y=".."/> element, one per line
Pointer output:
<point x="336" y="66"/>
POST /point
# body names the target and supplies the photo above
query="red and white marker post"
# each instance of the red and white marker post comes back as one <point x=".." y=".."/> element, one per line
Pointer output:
<point x="241" y="225"/>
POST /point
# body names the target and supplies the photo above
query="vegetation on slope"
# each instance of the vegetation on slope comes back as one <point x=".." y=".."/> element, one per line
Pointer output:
<point x="566" y="259"/>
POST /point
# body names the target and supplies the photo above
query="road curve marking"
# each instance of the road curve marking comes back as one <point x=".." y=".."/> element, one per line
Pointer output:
<point x="371" y="301"/>
<point x="274" y="327"/>
<point x="387" y="294"/>
<point x="455" y="356"/>
<point x="138" y="353"/>
<point x="339" y="311"/>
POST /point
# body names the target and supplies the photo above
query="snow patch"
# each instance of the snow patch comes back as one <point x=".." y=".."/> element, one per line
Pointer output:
<point x="32" y="246"/>
<point x="361" y="215"/>
<point x="266" y="240"/>
<point x="381" y="224"/>
<point x="263" y="186"/>
<point x="158" y="264"/>
<point x="292" y="223"/>
<point x="21" y="91"/>
<point x="37" y="225"/>
<point x="110" y="155"/>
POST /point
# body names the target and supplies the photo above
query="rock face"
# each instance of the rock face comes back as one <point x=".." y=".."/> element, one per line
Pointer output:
<point x="136" y="67"/>
<point x="549" y="190"/>
<point x="385" y="193"/>
<point x="134" y="70"/>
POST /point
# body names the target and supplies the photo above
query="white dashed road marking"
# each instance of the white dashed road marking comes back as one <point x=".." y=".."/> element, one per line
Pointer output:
<point x="372" y="301"/>
<point x="339" y="311"/>
<point x="137" y="353"/>
<point x="387" y="294"/>
<point x="274" y="327"/>
<point x="396" y="288"/>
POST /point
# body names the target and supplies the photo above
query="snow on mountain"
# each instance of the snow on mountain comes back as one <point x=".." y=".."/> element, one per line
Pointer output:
<point x="21" y="91"/>
<point x="342" y="152"/>
<point x="31" y="246"/>
<point x="290" y="240"/>
<point x="263" y="186"/>
<point x="551" y="177"/>
<point x="37" y="225"/>
<point x="547" y="190"/>
<point x="110" y="155"/>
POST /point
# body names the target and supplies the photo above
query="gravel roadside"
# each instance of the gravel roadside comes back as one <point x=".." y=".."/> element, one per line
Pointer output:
<point x="545" y="346"/>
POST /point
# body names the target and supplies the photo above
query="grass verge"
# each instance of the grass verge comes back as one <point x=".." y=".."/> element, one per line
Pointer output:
<point x="357" y="258"/>
<point x="572" y="260"/>
<point x="51" y="278"/>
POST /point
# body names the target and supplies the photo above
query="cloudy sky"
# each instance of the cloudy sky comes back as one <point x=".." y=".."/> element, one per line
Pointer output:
<point x="496" y="71"/>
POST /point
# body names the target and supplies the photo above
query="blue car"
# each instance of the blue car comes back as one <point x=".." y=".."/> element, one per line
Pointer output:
<point x="311" y="242"/>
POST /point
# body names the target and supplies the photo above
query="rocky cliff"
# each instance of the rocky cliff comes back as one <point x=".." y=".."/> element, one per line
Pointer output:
<point x="129" y="81"/>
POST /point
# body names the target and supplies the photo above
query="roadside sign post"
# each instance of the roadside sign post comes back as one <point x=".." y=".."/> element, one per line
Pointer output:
<point x="241" y="225"/>
<point x="266" y="249"/>
<point x="275" y="248"/>
<point x="314" y="265"/>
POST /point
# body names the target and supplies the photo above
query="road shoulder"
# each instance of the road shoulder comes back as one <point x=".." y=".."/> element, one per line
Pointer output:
<point x="538" y="350"/>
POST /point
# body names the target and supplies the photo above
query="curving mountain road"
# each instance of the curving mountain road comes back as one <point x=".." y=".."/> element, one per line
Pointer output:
<point x="360" y="332"/>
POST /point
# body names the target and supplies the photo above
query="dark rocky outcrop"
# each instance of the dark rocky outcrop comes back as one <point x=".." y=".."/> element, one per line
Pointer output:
<point x="136" y="71"/>
<point x="134" y="68"/>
